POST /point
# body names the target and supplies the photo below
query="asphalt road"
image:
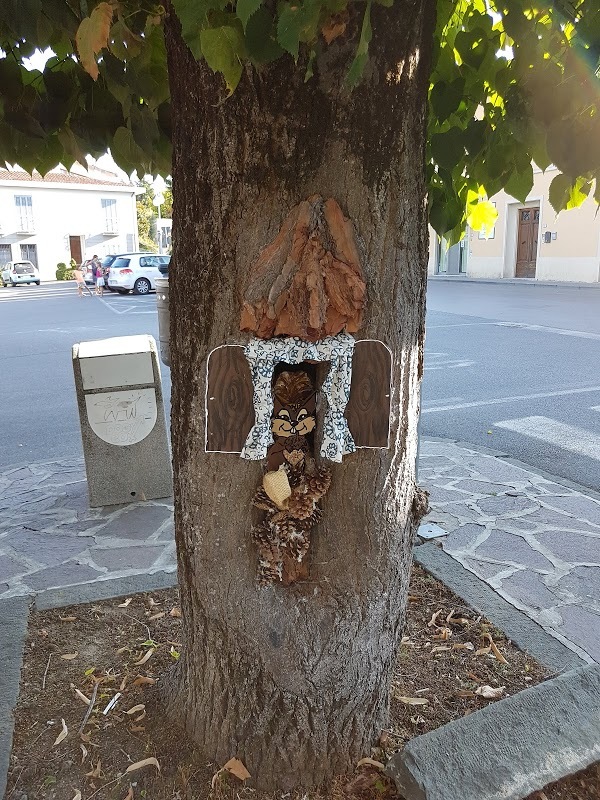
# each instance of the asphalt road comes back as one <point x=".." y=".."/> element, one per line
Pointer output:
<point x="514" y="367"/>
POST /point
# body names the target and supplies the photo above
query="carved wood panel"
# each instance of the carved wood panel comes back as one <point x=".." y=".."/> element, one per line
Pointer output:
<point x="230" y="412"/>
<point x="368" y="410"/>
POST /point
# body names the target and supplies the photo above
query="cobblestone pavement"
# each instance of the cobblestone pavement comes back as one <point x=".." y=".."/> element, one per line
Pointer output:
<point x="532" y="539"/>
<point x="49" y="537"/>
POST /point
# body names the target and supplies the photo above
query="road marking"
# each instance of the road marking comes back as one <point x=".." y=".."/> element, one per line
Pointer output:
<point x="594" y="408"/>
<point x="499" y="400"/>
<point x="547" y="329"/>
<point x="567" y="437"/>
<point x="459" y="325"/>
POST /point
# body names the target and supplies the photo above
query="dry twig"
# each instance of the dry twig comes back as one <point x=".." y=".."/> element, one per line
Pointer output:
<point x="89" y="708"/>
<point x="46" y="672"/>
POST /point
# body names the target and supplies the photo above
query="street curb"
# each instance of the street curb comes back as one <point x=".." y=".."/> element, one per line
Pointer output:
<point x="518" y="627"/>
<point x="488" y="451"/>
<point x="514" y="282"/>
<point x="14" y="614"/>
<point x="103" y="590"/>
<point x="14" y="618"/>
<point x="509" y="748"/>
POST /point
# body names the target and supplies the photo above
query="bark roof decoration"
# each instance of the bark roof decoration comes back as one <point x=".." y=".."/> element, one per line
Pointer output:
<point x="308" y="282"/>
<point x="292" y="487"/>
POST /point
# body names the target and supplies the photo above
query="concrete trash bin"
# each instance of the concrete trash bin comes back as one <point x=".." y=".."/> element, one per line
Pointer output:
<point x="121" y="412"/>
<point x="162" y="306"/>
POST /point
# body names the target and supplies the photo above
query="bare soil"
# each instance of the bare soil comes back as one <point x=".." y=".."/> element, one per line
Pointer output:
<point x="125" y="647"/>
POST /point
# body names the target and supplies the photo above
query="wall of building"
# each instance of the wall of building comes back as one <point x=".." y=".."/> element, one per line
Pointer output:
<point x="63" y="210"/>
<point x="572" y="254"/>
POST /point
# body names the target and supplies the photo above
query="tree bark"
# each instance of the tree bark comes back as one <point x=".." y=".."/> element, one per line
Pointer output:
<point x="295" y="680"/>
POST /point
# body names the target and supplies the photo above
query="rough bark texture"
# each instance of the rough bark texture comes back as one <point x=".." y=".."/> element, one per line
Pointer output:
<point x="294" y="680"/>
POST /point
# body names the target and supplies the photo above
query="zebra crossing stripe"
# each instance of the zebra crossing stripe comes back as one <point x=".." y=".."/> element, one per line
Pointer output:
<point x="567" y="437"/>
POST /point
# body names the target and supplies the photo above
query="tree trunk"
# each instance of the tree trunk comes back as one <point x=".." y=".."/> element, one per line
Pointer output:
<point x="295" y="680"/>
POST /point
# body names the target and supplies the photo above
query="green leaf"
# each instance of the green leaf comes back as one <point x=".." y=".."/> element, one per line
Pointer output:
<point x="520" y="183"/>
<point x="261" y="37"/>
<point x="125" y="151"/>
<point x="483" y="216"/>
<point x="559" y="192"/>
<point x="223" y="48"/>
<point x="298" y="23"/>
<point x="362" y="52"/>
<point x="445" y="98"/>
<point x="448" y="148"/>
<point x="445" y="213"/>
<point x="194" y="16"/>
<point x="245" y="9"/>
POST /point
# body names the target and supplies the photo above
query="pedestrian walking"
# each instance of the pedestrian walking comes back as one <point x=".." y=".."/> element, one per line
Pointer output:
<point x="99" y="280"/>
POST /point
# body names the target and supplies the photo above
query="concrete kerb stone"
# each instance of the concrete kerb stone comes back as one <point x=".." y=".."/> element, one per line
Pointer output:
<point x="13" y="629"/>
<point x="14" y="616"/>
<point x="509" y="748"/>
<point x="522" y="630"/>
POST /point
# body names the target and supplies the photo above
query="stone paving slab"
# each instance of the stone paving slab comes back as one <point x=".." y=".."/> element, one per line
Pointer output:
<point x="50" y="538"/>
<point x="534" y="540"/>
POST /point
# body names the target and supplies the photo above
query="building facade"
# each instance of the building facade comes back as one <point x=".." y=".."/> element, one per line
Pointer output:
<point x="529" y="241"/>
<point x="65" y="215"/>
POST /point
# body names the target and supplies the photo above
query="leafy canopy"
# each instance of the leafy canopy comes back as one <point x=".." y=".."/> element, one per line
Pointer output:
<point x="513" y="81"/>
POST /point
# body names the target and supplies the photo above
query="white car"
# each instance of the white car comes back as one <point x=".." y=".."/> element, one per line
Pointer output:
<point x="21" y="272"/>
<point x="135" y="272"/>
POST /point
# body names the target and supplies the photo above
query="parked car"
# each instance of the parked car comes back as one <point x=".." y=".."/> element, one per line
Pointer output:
<point x="136" y="272"/>
<point x="20" y="272"/>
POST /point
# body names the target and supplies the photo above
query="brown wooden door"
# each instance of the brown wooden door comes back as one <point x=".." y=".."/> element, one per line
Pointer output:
<point x="529" y="222"/>
<point x="75" y="248"/>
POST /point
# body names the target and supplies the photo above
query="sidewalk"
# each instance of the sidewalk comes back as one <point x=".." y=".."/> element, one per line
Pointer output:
<point x="534" y="540"/>
<point x="462" y="278"/>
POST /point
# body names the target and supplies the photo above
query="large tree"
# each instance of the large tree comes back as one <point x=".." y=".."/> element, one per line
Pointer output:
<point x="399" y="118"/>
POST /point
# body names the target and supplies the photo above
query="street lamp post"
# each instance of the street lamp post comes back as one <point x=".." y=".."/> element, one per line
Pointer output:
<point x="159" y="187"/>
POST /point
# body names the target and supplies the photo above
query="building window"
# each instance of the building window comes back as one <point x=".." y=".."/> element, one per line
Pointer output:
<point x="5" y="254"/>
<point x="29" y="253"/>
<point x="24" y="212"/>
<point x="492" y="233"/>
<point x="110" y="215"/>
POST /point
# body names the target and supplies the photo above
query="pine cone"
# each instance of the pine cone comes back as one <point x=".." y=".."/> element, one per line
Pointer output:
<point x="302" y="502"/>
<point x="319" y="483"/>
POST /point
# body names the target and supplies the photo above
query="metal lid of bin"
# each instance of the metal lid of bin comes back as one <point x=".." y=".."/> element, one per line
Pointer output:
<point x="116" y="346"/>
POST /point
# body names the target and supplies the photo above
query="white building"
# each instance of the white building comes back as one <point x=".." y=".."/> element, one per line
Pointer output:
<point x="65" y="215"/>
<point x="528" y="241"/>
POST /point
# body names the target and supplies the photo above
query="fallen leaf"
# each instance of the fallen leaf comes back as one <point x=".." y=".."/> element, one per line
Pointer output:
<point x="489" y="692"/>
<point x="463" y="646"/>
<point x="413" y="598"/>
<point x="125" y="603"/>
<point x="129" y="795"/>
<point x="433" y="620"/>
<point x="237" y="768"/>
<point x="465" y="693"/>
<point x="142" y="680"/>
<point x="152" y="602"/>
<point x="145" y="762"/>
<point x="123" y="683"/>
<point x="96" y="772"/>
<point x="135" y="709"/>
<point x="421" y="691"/>
<point x="157" y="616"/>
<point x="483" y="651"/>
<point x="494" y="648"/>
<point x="405" y="640"/>
<point x="443" y="635"/>
<point x="412" y="701"/>
<point x="144" y="658"/>
<point x="450" y="615"/>
<point x="474" y="677"/>
<point x="417" y="719"/>
<point x="67" y="619"/>
<point x="84" y="752"/>
<point x="174" y="653"/>
<point x="77" y="795"/>
<point x="440" y="648"/>
<point x="140" y="718"/>
<point x="122" y="650"/>
<point x="175" y="612"/>
<point x="62" y="735"/>
<point x="370" y="762"/>
<point x="70" y="656"/>
<point x="80" y="695"/>
<point x="137" y="729"/>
